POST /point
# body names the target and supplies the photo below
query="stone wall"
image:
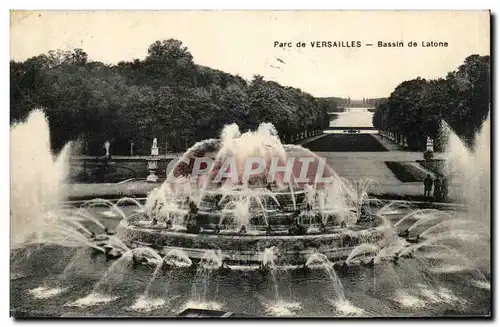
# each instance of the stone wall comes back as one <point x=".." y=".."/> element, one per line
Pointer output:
<point x="247" y="247"/>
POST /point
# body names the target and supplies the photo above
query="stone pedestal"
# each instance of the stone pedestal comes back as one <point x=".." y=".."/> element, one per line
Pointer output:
<point x="152" y="167"/>
<point x="153" y="164"/>
<point x="430" y="144"/>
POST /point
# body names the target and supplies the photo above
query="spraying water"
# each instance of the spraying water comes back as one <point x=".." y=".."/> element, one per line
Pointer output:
<point x="321" y="260"/>
<point x="177" y="258"/>
<point x="362" y="249"/>
<point x="339" y="301"/>
<point x="36" y="177"/>
<point x="470" y="170"/>
<point x="200" y="292"/>
<point x="269" y="257"/>
<point x="243" y="196"/>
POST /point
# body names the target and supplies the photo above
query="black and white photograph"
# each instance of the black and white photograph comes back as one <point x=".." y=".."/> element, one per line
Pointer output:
<point x="250" y="164"/>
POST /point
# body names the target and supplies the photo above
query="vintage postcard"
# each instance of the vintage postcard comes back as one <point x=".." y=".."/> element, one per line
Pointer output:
<point x="250" y="164"/>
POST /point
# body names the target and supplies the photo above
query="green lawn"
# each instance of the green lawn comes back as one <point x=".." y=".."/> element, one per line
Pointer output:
<point x="406" y="172"/>
<point x="346" y="143"/>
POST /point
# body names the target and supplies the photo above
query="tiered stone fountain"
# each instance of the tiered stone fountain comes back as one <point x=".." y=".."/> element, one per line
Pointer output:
<point x="247" y="214"/>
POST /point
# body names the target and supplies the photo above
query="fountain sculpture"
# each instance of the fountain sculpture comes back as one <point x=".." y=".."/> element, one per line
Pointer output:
<point x="251" y="208"/>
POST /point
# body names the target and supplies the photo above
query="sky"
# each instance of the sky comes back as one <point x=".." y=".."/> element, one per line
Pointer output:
<point x="242" y="42"/>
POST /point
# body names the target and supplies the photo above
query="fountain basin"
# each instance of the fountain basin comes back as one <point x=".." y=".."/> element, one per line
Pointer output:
<point x="248" y="249"/>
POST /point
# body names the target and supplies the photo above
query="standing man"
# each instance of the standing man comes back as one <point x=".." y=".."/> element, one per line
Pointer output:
<point x="428" y="181"/>
<point x="438" y="183"/>
<point x="444" y="188"/>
